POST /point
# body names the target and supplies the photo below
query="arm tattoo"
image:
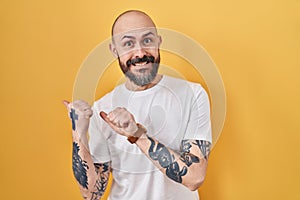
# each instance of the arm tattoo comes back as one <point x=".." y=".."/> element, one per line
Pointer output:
<point x="74" y="117"/>
<point x="166" y="160"/>
<point x="186" y="156"/>
<point x="204" y="147"/>
<point x="80" y="167"/>
<point x="101" y="182"/>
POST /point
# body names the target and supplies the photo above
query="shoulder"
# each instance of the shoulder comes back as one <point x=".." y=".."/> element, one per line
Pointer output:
<point x="183" y="85"/>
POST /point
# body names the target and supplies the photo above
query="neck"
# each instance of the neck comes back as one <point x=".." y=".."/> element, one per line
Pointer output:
<point x="131" y="86"/>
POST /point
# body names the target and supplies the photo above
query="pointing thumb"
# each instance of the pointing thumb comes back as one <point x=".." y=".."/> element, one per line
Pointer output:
<point x="66" y="103"/>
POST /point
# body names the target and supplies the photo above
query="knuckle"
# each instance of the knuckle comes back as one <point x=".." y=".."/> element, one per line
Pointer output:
<point x="121" y="109"/>
<point x="77" y="101"/>
<point x="89" y="112"/>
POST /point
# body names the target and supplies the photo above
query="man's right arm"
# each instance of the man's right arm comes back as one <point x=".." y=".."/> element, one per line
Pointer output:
<point x="91" y="177"/>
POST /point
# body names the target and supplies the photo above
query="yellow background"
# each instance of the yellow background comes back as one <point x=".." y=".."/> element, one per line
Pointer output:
<point x="255" y="45"/>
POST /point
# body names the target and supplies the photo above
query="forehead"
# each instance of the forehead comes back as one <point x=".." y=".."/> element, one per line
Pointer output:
<point x="136" y="33"/>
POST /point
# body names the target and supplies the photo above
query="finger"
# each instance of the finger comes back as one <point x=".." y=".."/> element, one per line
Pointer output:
<point x="117" y="121"/>
<point x="82" y="105"/>
<point x="124" y="124"/>
<point x="111" y="124"/>
<point x="111" y="115"/>
<point x="88" y="113"/>
<point x="117" y="116"/>
<point x="117" y="129"/>
<point x="103" y="115"/>
<point x="79" y="104"/>
<point x="114" y="115"/>
<point x="76" y="104"/>
<point x="66" y="103"/>
<point x="124" y="118"/>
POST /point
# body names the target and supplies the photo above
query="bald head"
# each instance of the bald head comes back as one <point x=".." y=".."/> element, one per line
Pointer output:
<point x="135" y="43"/>
<point x="131" y="20"/>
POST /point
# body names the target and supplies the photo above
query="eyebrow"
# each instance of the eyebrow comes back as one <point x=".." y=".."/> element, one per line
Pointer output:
<point x="132" y="37"/>
<point x="127" y="36"/>
<point x="150" y="33"/>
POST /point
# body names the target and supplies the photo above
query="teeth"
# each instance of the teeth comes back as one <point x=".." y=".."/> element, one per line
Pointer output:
<point x="140" y="64"/>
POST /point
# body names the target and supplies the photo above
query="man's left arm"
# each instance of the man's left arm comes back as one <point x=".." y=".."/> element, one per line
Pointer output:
<point x="187" y="166"/>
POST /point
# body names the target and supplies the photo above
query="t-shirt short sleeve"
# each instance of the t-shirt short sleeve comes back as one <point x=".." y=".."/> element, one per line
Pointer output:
<point x="97" y="141"/>
<point x="199" y="124"/>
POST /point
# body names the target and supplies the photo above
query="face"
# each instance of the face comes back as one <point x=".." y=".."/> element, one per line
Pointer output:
<point x="137" y="50"/>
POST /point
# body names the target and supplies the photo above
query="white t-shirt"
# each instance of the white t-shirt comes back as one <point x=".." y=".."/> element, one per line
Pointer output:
<point x="172" y="110"/>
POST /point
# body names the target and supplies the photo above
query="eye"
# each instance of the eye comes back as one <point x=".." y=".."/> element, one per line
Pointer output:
<point x="128" y="44"/>
<point x="148" y="41"/>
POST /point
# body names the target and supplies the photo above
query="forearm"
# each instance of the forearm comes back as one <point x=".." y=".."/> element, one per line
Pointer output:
<point x="91" y="178"/>
<point x="182" y="167"/>
<point x="187" y="167"/>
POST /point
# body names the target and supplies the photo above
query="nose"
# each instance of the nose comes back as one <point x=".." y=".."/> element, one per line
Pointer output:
<point x="139" y="51"/>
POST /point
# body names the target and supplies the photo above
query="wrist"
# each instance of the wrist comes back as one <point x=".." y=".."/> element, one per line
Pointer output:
<point x="80" y="138"/>
<point x="140" y="131"/>
<point x="79" y="134"/>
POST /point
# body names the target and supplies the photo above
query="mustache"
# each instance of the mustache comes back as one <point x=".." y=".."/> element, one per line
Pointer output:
<point x="140" y="60"/>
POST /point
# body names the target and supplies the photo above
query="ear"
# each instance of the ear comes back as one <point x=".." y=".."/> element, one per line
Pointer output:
<point x="159" y="40"/>
<point x="113" y="50"/>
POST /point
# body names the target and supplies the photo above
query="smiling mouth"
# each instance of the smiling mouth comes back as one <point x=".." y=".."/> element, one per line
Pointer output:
<point x="141" y="63"/>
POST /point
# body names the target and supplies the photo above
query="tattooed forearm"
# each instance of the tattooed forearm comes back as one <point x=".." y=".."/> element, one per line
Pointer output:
<point x="74" y="117"/>
<point x="80" y="167"/>
<point x="166" y="160"/>
<point x="204" y="147"/>
<point x="101" y="182"/>
<point x="185" y="165"/>
<point x="104" y="166"/>
<point x="186" y="156"/>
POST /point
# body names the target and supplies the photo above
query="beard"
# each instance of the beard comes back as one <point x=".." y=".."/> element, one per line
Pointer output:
<point x="144" y="78"/>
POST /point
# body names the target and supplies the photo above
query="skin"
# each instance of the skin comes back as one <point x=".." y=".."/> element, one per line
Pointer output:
<point x="134" y="35"/>
<point x="91" y="177"/>
<point x="135" y="25"/>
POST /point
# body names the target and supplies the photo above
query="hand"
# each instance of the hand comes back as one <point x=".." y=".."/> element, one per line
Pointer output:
<point x="79" y="113"/>
<point x="121" y="121"/>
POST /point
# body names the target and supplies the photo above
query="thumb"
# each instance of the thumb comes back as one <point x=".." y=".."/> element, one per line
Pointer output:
<point x="114" y="127"/>
<point x="103" y="115"/>
<point x="66" y="103"/>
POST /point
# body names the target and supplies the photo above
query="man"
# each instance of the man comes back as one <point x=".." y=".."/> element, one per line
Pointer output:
<point x="153" y="132"/>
